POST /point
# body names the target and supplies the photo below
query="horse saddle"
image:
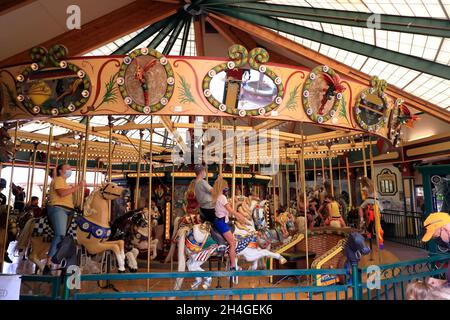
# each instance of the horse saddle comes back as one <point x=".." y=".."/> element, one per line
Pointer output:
<point x="218" y="237"/>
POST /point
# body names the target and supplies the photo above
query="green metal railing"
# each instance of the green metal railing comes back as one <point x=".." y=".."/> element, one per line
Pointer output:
<point x="54" y="281"/>
<point x="393" y="279"/>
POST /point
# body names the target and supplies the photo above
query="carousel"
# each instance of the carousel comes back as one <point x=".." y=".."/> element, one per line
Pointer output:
<point x="295" y="145"/>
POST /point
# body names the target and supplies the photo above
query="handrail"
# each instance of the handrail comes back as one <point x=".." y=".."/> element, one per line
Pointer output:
<point x="434" y="258"/>
<point x="204" y="274"/>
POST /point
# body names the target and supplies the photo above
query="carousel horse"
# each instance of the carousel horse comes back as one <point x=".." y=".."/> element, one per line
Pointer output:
<point x="355" y="247"/>
<point x="191" y="208"/>
<point x="139" y="239"/>
<point x="12" y="230"/>
<point x="91" y="230"/>
<point x="132" y="228"/>
<point x="6" y="146"/>
<point x="19" y="197"/>
<point x="199" y="243"/>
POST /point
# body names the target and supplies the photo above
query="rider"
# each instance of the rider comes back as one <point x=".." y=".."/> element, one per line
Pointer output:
<point x="222" y="211"/>
<point x="203" y="194"/>
<point x="60" y="207"/>
<point x="33" y="206"/>
<point x="369" y="201"/>
<point x="334" y="216"/>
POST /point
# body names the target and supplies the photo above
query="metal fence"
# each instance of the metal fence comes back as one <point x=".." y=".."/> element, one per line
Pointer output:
<point x="403" y="227"/>
<point x="361" y="284"/>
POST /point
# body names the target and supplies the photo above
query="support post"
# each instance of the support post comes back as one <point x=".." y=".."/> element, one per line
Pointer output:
<point x="47" y="165"/>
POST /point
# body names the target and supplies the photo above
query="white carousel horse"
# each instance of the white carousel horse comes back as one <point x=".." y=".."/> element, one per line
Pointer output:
<point x="91" y="230"/>
<point x="199" y="245"/>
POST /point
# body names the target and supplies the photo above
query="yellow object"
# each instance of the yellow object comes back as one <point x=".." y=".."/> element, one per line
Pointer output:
<point x="39" y="93"/>
<point x="335" y="210"/>
<point x="55" y="199"/>
<point x="325" y="280"/>
<point x="433" y="222"/>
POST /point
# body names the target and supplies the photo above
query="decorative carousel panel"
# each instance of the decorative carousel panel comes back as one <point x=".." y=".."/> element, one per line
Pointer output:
<point x="239" y="90"/>
<point x="322" y="94"/>
<point x="146" y="80"/>
<point x="394" y="125"/>
<point x="50" y="85"/>
<point x="372" y="106"/>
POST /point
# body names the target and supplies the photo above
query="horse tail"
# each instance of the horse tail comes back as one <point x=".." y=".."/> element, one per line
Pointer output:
<point x="25" y="235"/>
<point x="181" y="256"/>
<point x="173" y="243"/>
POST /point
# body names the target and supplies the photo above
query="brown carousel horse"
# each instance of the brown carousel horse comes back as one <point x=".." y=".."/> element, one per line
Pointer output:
<point x="90" y="230"/>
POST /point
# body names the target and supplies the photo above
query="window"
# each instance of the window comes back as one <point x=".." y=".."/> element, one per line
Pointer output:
<point x="387" y="182"/>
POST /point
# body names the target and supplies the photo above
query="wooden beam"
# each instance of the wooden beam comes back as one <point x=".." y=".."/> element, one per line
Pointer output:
<point x="105" y="29"/>
<point x="316" y="57"/>
<point x="79" y="127"/>
<point x="7" y="6"/>
<point x="199" y="31"/>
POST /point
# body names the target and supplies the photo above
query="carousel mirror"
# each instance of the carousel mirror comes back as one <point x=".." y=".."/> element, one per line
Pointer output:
<point x="244" y="89"/>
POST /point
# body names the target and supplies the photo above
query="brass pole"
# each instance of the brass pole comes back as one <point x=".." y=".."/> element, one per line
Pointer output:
<point x="173" y="202"/>
<point x="339" y="175"/>
<point x="28" y="176"/>
<point x="5" y="238"/>
<point x="242" y="180"/>
<point x="348" y="182"/>
<point x="364" y="157"/>
<point x="233" y="178"/>
<point x="33" y="166"/>
<point x="288" y="182"/>
<point x="66" y="157"/>
<point x="47" y="165"/>
<point x="110" y="161"/>
<point x="138" y="166"/>
<point x="331" y="174"/>
<point x="305" y="204"/>
<point x="110" y="151"/>
<point x="77" y="170"/>
<point x="221" y="156"/>
<point x="85" y="157"/>
<point x="375" y="200"/>
<point x="315" y="183"/>
<point x="297" y="191"/>
<point x="150" y="182"/>
<point x="323" y="172"/>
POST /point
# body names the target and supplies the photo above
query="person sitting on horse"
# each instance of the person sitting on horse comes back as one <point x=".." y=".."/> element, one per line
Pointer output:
<point x="223" y="210"/>
<point x="369" y="201"/>
<point x="334" y="215"/>
<point x="60" y="207"/>
<point x="191" y="205"/>
<point x="203" y="194"/>
<point x="33" y="206"/>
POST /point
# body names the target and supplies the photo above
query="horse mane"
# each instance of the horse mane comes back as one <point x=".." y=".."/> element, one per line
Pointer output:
<point x="88" y="209"/>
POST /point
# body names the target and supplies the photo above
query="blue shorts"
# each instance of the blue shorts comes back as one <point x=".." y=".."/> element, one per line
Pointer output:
<point x="221" y="225"/>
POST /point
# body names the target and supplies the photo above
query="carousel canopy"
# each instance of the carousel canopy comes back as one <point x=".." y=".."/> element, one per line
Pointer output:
<point x="407" y="43"/>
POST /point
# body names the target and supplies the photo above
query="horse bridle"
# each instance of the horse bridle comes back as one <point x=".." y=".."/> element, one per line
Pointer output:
<point x="104" y="192"/>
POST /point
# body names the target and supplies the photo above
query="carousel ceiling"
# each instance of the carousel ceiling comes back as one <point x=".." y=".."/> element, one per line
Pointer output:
<point x="407" y="43"/>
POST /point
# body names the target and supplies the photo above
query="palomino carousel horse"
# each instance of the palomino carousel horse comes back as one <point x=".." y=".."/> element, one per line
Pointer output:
<point x="91" y="230"/>
<point x="199" y="244"/>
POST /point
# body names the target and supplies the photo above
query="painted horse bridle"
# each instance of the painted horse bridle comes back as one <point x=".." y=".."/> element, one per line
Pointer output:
<point x="103" y="191"/>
